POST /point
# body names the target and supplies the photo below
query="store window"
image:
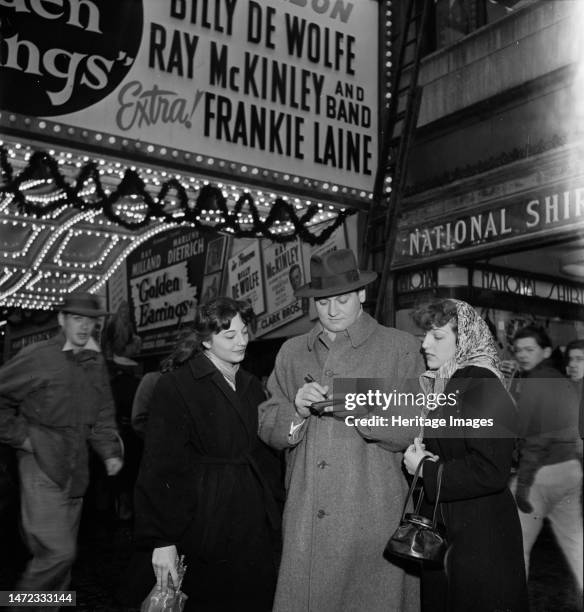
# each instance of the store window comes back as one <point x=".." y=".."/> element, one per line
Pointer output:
<point x="454" y="19"/>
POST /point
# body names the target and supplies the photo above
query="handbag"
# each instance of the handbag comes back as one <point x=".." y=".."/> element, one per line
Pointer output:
<point x="418" y="537"/>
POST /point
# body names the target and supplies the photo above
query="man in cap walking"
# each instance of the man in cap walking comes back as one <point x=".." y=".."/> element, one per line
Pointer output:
<point x="345" y="486"/>
<point x="55" y="400"/>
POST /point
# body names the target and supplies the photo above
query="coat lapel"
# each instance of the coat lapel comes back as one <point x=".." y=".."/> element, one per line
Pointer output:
<point x="202" y="367"/>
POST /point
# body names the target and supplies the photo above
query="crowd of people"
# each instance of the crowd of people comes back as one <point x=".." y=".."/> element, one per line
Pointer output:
<point x="278" y="505"/>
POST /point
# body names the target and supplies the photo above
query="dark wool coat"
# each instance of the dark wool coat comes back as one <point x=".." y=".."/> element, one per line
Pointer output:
<point x="484" y="563"/>
<point x="208" y="485"/>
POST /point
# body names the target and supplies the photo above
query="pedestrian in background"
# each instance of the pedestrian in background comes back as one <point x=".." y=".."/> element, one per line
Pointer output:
<point x="574" y="359"/>
<point x="141" y="402"/>
<point x="55" y="400"/>
<point x="549" y="476"/>
<point x="124" y="383"/>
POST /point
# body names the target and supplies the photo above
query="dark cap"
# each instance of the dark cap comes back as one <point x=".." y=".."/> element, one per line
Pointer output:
<point x="82" y="303"/>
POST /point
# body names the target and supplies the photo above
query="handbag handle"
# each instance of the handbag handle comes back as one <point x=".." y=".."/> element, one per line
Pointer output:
<point x="413" y="486"/>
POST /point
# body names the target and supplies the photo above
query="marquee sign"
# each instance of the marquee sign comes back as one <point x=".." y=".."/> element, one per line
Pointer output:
<point x="289" y="86"/>
<point x="283" y="274"/>
<point x="511" y="281"/>
<point x="166" y="279"/>
<point x="491" y="279"/>
<point x="559" y="208"/>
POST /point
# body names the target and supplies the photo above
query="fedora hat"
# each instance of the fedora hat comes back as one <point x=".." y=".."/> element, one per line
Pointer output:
<point x="334" y="273"/>
<point x="82" y="303"/>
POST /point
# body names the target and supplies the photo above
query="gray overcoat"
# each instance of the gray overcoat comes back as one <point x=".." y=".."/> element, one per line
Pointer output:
<point x="345" y="485"/>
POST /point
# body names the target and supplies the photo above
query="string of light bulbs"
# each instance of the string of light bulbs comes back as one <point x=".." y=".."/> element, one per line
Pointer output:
<point x="40" y="188"/>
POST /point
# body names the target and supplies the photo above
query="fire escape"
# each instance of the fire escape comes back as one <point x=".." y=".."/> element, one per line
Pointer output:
<point x="398" y="129"/>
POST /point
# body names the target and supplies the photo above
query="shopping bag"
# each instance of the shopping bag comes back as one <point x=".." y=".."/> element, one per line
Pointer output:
<point x="173" y="600"/>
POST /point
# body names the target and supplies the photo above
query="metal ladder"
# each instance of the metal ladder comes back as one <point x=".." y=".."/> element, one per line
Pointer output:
<point x="399" y="125"/>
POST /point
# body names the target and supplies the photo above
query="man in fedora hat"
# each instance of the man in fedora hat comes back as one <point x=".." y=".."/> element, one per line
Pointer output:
<point x="345" y="486"/>
<point x="55" y="400"/>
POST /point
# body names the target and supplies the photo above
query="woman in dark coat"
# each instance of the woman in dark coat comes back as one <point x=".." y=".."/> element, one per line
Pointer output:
<point x="484" y="568"/>
<point x="208" y="486"/>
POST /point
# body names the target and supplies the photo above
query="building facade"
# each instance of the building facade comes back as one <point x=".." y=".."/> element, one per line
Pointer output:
<point x="494" y="205"/>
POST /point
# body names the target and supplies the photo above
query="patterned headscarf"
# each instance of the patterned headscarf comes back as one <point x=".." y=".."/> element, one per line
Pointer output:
<point x="475" y="346"/>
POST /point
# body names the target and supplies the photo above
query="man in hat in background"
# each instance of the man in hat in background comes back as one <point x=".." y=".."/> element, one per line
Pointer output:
<point x="345" y="486"/>
<point x="55" y="399"/>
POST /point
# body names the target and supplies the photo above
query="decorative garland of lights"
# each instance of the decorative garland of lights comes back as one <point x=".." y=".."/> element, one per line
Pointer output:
<point x="210" y="201"/>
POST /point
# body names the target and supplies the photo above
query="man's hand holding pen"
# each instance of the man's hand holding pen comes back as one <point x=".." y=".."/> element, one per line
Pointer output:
<point x="308" y="394"/>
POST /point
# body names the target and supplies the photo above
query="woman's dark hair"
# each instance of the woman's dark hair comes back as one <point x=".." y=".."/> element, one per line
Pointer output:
<point x="572" y="346"/>
<point x="436" y="314"/>
<point x="537" y="333"/>
<point x="211" y="318"/>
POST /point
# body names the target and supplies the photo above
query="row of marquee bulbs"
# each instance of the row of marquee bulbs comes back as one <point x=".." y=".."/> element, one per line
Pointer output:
<point x="30" y="277"/>
<point x="211" y="162"/>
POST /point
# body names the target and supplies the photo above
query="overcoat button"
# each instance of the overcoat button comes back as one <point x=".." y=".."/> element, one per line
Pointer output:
<point x="322" y="464"/>
<point x="321" y="514"/>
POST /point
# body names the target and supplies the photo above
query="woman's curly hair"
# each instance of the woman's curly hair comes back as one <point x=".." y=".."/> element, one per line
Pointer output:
<point x="210" y="318"/>
<point x="436" y="314"/>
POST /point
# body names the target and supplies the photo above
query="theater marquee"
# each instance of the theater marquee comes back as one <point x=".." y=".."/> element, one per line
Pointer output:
<point x="285" y="92"/>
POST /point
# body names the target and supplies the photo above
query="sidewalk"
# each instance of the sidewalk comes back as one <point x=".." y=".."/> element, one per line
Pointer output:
<point x="103" y="558"/>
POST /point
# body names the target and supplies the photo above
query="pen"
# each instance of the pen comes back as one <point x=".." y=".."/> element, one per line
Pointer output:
<point x="308" y="379"/>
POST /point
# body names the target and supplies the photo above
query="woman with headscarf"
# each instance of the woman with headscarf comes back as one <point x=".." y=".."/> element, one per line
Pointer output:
<point x="208" y="487"/>
<point x="484" y="569"/>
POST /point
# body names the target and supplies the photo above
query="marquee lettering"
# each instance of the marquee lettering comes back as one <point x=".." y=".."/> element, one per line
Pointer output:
<point x="162" y="286"/>
<point x="339" y="148"/>
<point x="283" y="260"/>
<point x="253" y="126"/>
<point x="337" y="8"/>
<point x="214" y="15"/>
<point x="331" y="49"/>
<point x="70" y="10"/>
<point x="140" y="107"/>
